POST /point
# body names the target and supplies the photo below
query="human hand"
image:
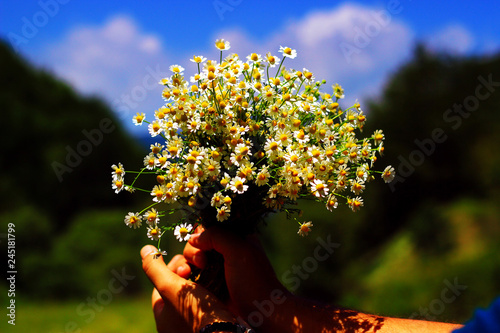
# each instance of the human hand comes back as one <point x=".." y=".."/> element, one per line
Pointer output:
<point x="180" y="305"/>
<point x="254" y="290"/>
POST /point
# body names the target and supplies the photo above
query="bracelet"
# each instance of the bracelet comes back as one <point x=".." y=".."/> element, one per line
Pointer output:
<point x="225" y="326"/>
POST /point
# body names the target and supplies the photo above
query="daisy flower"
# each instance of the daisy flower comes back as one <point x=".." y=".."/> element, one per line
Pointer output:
<point x="118" y="171"/>
<point x="331" y="203"/>
<point x="133" y="220"/>
<point x="222" y="44"/>
<point x="237" y="185"/>
<point x="158" y="193"/>
<point x="288" y="52"/>
<point x="151" y="217"/>
<point x="338" y="91"/>
<point x="117" y="185"/>
<point x="223" y="213"/>
<point x="262" y="177"/>
<point x="355" y="203"/>
<point x="388" y="174"/>
<point x="272" y="60"/>
<point x="154" y="233"/>
<point x="318" y="188"/>
<point x="182" y="232"/>
<point x="158" y="253"/>
<point x="138" y="119"/>
<point x="198" y="59"/>
<point x="176" y="69"/>
<point x="154" y="128"/>
<point x="305" y="228"/>
<point x="216" y="200"/>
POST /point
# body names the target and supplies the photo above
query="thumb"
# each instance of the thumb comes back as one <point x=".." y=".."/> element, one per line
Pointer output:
<point x="230" y="245"/>
<point x="165" y="281"/>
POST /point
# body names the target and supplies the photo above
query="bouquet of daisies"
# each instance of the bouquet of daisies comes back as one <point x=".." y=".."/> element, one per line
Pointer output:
<point x="241" y="138"/>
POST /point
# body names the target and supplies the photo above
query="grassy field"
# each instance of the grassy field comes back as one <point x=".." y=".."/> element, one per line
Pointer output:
<point x="120" y="315"/>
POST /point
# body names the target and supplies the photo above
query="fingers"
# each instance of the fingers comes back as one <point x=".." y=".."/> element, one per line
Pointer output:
<point x="192" y="302"/>
<point x="179" y="265"/>
<point x="166" y="282"/>
<point x="231" y="246"/>
<point x="194" y="255"/>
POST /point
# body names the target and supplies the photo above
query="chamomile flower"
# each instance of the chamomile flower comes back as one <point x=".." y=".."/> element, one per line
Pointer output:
<point x="355" y="203"/>
<point x="338" y="91"/>
<point x="182" y="232"/>
<point x="272" y="60"/>
<point x="158" y="253"/>
<point x="138" y="119"/>
<point x="154" y="233"/>
<point x="198" y="59"/>
<point x="216" y="200"/>
<point x="223" y="213"/>
<point x="237" y="185"/>
<point x="158" y="193"/>
<point x="152" y="217"/>
<point x="319" y="188"/>
<point x="305" y="228"/>
<point x="117" y="184"/>
<point x="262" y="177"/>
<point x="155" y="128"/>
<point x="288" y="52"/>
<point x="177" y="69"/>
<point x="331" y="203"/>
<point x="388" y="174"/>
<point x="222" y="44"/>
<point x="133" y="220"/>
<point x="378" y="136"/>
<point x="357" y="186"/>
<point x="118" y="171"/>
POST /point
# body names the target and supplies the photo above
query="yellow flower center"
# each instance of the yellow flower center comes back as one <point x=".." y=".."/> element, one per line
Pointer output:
<point x="273" y="146"/>
<point x="183" y="232"/>
<point x="238" y="185"/>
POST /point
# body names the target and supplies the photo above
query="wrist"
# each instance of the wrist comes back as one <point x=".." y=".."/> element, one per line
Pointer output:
<point x="224" y="326"/>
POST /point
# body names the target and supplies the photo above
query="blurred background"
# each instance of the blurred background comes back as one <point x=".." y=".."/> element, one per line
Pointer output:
<point x="74" y="73"/>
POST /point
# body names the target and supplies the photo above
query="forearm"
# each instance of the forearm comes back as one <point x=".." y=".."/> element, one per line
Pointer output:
<point x="298" y="315"/>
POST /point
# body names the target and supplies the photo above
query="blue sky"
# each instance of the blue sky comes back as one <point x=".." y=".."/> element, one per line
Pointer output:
<point x="117" y="49"/>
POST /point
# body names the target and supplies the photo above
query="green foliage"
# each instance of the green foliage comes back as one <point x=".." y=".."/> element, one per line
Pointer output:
<point x="44" y="119"/>
<point x="396" y="252"/>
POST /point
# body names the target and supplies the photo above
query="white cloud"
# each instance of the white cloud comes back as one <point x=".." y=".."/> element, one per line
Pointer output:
<point x="353" y="45"/>
<point x="116" y="61"/>
<point x="356" y="46"/>
<point x="453" y="39"/>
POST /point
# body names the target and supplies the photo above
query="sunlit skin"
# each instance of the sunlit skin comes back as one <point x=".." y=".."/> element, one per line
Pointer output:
<point x="251" y="282"/>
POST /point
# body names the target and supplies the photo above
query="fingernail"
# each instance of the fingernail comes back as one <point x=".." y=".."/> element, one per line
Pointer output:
<point x="147" y="250"/>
